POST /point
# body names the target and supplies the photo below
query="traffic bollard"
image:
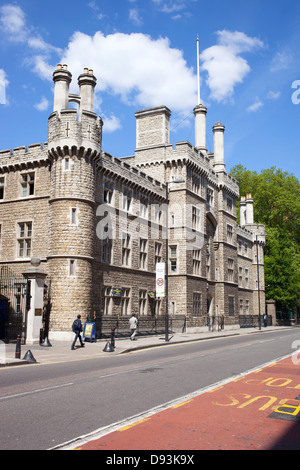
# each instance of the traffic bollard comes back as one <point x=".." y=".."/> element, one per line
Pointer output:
<point x="18" y="348"/>
<point x="41" y="335"/>
<point x="112" y="341"/>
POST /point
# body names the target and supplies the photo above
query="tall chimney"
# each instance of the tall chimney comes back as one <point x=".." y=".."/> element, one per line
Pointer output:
<point x="87" y="82"/>
<point x="249" y="210"/>
<point x="62" y="79"/>
<point x="218" y="130"/>
<point x="200" y="126"/>
<point x="243" y="211"/>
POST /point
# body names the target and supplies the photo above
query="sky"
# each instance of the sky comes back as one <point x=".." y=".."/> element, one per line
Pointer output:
<point x="144" y="54"/>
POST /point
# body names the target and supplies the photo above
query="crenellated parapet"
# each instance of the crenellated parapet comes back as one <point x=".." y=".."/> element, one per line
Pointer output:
<point x="23" y="157"/>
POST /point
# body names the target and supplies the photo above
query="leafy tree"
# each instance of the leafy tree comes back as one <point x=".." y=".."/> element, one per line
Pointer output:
<point x="276" y="197"/>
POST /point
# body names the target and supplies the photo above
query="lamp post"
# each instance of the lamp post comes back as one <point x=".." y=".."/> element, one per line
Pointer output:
<point x="258" y="286"/>
<point x="167" y="257"/>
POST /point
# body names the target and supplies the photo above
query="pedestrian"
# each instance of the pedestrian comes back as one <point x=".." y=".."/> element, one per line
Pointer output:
<point x="133" y="323"/>
<point x="265" y="320"/>
<point x="77" y="329"/>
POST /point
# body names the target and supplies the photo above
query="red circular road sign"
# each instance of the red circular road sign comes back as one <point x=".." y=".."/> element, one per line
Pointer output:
<point x="160" y="281"/>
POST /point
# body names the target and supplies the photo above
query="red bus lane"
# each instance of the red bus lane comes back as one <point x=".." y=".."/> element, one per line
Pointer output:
<point x="260" y="410"/>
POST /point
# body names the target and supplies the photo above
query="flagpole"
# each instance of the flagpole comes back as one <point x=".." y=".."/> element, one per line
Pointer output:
<point x="198" y="70"/>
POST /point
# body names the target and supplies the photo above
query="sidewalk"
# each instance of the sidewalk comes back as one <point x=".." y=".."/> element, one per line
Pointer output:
<point x="60" y="351"/>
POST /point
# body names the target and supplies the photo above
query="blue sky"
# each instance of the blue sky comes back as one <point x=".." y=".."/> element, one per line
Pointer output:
<point x="143" y="53"/>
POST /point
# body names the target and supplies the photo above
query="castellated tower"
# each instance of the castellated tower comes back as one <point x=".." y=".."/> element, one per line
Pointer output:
<point x="74" y="145"/>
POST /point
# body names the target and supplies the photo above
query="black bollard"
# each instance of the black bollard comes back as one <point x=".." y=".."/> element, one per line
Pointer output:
<point x="18" y="348"/>
<point x="112" y="341"/>
<point x="41" y="335"/>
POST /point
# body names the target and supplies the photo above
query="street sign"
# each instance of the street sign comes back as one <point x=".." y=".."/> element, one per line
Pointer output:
<point x="160" y="279"/>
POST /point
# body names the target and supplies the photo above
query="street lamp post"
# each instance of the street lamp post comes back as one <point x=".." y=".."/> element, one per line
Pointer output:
<point x="167" y="258"/>
<point x="258" y="286"/>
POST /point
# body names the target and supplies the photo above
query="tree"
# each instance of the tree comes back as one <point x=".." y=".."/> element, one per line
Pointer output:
<point x="276" y="197"/>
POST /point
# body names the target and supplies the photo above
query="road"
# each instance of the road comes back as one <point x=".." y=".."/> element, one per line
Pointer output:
<point x="42" y="406"/>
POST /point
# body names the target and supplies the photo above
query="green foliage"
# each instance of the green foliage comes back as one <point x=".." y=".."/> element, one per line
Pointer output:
<point x="276" y="197"/>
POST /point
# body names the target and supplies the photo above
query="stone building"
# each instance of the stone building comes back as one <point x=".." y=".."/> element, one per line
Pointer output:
<point x="81" y="231"/>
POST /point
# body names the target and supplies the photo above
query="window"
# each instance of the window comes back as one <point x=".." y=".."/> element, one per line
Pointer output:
<point x="127" y="199"/>
<point x="106" y="301"/>
<point x="157" y="307"/>
<point x="197" y="262"/>
<point x="27" y="184"/>
<point x="106" y="251"/>
<point x="230" y="269"/>
<point x="143" y="208"/>
<point x="72" y="268"/>
<point x="125" y="303"/>
<point x="241" y="307"/>
<point x="173" y="259"/>
<point x="240" y="276"/>
<point x="108" y="192"/>
<point x="231" y="305"/>
<point x="229" y="233"/>
<point x="73" y="216"/>
<point x="143" y="302"/>
<point x="210" y="196"/>
<point x="246" y="278"/>
<point x="158" y="251"/>
<point x="195" y="218"/>
<point x="143" y="254"/>
<point x="126" y="249"/>
<point x="229" y="204"/>
<point x="67" y="163"/>
<point x="24" y="239"/>
<point x="1" y="188"/>
<point x="196" y="305"/>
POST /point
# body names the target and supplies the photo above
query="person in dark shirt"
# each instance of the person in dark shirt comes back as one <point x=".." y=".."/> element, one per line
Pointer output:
<point x="77" y="329"/>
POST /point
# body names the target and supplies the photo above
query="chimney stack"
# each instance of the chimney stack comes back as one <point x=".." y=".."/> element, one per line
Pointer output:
<point x="243" y="211"/>
<point x="200" y="126"/>
<point x="249" y="210"/>
<point x="218" y="130"/>
<point x="62" y="79"/>
<point x="87" y="82"/>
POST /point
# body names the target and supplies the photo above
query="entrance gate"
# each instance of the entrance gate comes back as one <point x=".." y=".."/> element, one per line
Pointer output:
<point x="13" y="288"/>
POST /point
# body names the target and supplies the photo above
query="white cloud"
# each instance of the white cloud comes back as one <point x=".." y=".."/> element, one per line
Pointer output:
<point x="135" y="17"/>
<point x="281" y="61"/>
<point x="43" y="105"/>
<point x="143" y="71"/>
<point x="224" y="65"/>
<point x="172" y="6"/>
<point x="13" y="23"/>
<point x="255" y="106"/>
<point x="41" y="67"/>
<point x="111" y="123"/>
<point x="3" y="84"/>
<point x="273" y="95"/>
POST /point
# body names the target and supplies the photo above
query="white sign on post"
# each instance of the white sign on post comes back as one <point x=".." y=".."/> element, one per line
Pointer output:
<point x="160" y="279"/>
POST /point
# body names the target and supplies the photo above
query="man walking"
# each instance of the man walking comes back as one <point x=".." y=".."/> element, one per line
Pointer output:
<point x="77" y="329"/>
<point x="133" y="323"/>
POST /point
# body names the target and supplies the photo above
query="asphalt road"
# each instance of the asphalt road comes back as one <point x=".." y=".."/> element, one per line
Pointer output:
<point x="42" y="406"/>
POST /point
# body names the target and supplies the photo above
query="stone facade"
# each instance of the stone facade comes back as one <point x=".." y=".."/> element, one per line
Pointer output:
<point x="98" y="223"/>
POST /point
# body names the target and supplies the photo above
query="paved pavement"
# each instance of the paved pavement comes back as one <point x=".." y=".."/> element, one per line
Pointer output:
<point x="60" y="351"/>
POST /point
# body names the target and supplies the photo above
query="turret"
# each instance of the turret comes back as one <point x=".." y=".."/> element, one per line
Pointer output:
<point x="74" y="146"/>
